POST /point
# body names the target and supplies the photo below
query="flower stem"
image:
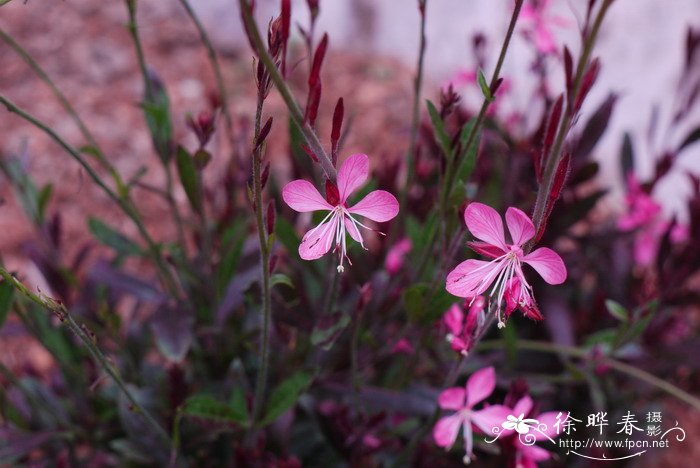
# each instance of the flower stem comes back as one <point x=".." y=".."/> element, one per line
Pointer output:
<point x="65" y="316"/>
<point x="294" y="109"/>
<point x="556" y="152"/>
<point x="263" y="237"/>
<point x="415" y="116"/>
<point x="122" y="199"/>
<point x="583" y="354"/>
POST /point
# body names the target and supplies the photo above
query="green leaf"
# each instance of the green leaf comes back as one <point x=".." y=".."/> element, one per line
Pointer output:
<point x="280" y="278"/>
<point x="156" y="110"/>
<point x="6" y="295"/>
<point x="43" y="200"/>
<point x="326" y="337"/>
<point x="617" y="311"/>
<point x="189" y="178"/>
<point x="112" y="238"/>
<point x="467" y="158"/>
<point x="207" y="407"/>
<point x="441" y="136"/>
<point x="286" y="395"/>
<point x="485" y="89"/>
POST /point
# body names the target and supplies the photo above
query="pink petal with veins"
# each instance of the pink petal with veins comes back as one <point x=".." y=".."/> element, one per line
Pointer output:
<point x="317" y="242"/>
<point x="548" y="264"/>
<point x="352" y="174"/>
<point x="468" y="278"/>
<point x="519" y="225"/>
<point x="485" y="224"/>
<point x="379" y="206"/>
<point x="302" y="196"/>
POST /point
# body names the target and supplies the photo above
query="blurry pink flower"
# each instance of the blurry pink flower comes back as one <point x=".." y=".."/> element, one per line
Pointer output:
<point x="395" y="257"/>
<point x="537" y="25"/>
<point x="644" y="214"/>
<point x="462" y="77"/>
<point x="538" y="427"/>
<point x="460" y="328"/>
<point x="462" y="400"/>
<point x="302" y="196"/>
<point x="641" y="207"/>
<point x="402" y="346"/>
<point x="474" y="277"/>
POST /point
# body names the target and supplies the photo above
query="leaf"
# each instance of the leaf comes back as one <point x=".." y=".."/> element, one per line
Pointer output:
<point x="595" y="128"/>
<point x="690" y="139"/>
<point x="207" y="407"/>
<point x="156" y="109"/>
<point x="6" y="295"/>
<point x="627" y="155"/>
<point x="441" y="136"/>
<point x="112" y="238"/>
<point x="172" y="329"/>
<point x="485" y="89"/>
<point x="189" y="177"/>
<point x="43" y="199"/>
<point x="617" y="311"/>
<point x="325" y="337"/>
<point x="424" y="305"/>
<point x="467" y="159"/>
<point x="286" y="395"/>
<point x="280" y="278"/>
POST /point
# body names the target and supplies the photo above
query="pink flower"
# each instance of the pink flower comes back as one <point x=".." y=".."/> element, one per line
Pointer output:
<point x="394" y="259"/>
<point x="641" y="207"/>
<point x="515" y="300"/>
<point x="534" y="428"/>
<point x="474" y="277"/>
<point x="403" y="346"/>
<point x="462" y="400"/>
<point x="460" y="329"/>
<point x="302" y="196"/>
<point x="538" y="25"/>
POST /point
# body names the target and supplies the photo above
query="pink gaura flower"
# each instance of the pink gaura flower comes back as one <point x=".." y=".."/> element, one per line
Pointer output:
<point x="537" y="24"/>
<point x="516" y="300"/>
<point x="529" y="428"/>
<point x="462" y="401"/>
<point x="474" y="277"/>
<point x="641" y="207"/>
<point x="302" y="196"/>
<point x="395" y="257"/>
<point x="461" y="326"/>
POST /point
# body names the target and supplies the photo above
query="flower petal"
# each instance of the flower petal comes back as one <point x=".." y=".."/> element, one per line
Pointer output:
<point x="548" y="264"/>
<point x="452" y="398"/>
<point x="468" y="279"/>
<point x="487" y="250"/>
<point x="379" y="206"/>
<point x="302" y="196"/>
<point x="352" y="174"/>
<point x="317" y="242"/>
<point x="490" y="417"/>
<point x="446" y="430"/>
<point x="354" y="232"/>
<point x="532" y="454"/>
<point x="480" y="385"/>
<point x="454" y="320"/>
<point x="523" y="406"/>
<point x="485" y="224"/>
<point x="548" y="421"/>
<point x="519" y="225"/>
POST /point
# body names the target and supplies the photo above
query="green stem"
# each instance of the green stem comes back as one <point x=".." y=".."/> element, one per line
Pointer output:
<point x="415" y="116"/>
<point x="555" y="154"/>
<point x="121" y="200"/>
<point x="265" y="271"/>
<point x="65" y="316"/>
<point x="214" y="63"/>
<point x="585" y="355"/>
<point x="294" y="109"/>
